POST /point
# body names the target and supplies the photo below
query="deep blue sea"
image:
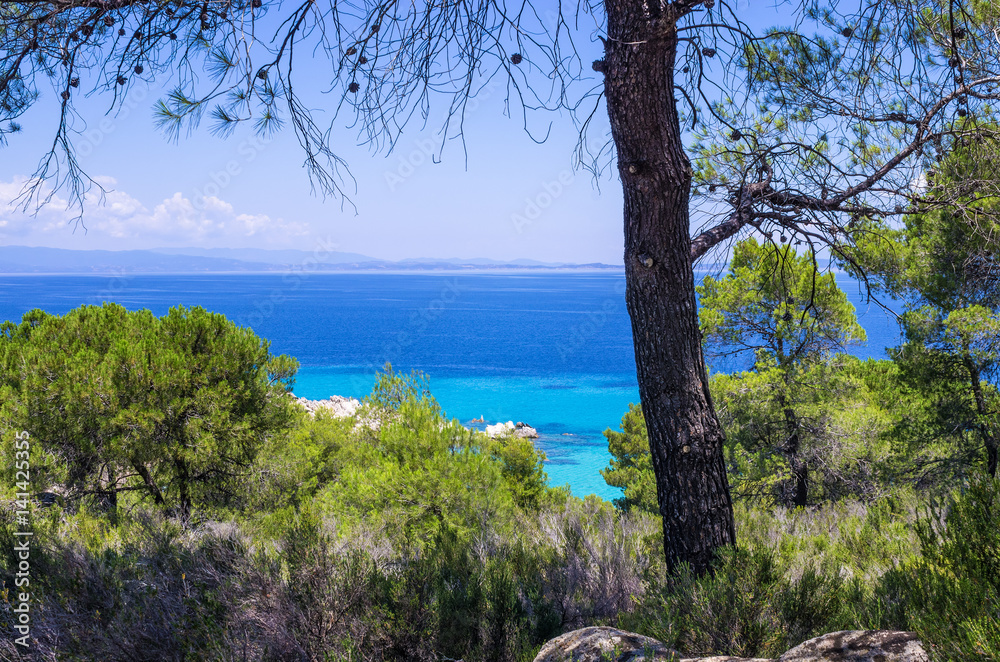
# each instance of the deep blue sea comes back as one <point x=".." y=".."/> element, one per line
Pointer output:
<point x="553" y="350"/>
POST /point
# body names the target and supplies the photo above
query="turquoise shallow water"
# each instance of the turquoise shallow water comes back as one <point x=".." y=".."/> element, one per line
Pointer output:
<point x="551" y="349"/>
<point x="569" y="411"/>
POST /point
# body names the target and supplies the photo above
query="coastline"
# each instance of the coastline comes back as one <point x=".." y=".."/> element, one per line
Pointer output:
<point x="341" y="406"/>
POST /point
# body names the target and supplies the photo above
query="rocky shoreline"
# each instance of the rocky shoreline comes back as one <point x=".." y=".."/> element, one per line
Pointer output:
<point x="518" y="429"/>
<point x="340" y="407"/>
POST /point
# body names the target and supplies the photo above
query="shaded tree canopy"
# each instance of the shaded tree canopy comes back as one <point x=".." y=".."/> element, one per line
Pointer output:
<point x="820" y="131"/>
<point x="944" y="265"/>
<point x="776" y="304"/>
<point x="175" y="408"/>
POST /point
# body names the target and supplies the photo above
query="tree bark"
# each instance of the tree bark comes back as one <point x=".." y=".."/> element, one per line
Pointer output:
<point x="685" y="436"/>
<point x="183" y="483"/>
<point x="148" y="481"/>
<point x="983" y="411"/>
<point x="800" y="470"/>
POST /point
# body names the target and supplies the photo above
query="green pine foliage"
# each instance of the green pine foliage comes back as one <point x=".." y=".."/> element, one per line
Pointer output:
<point x="174" y="409"/>
<point x="631" y="467"/>
<point x="398" y="534"/>
<point x="943" y="263"/>
<point x="775" y="305"/>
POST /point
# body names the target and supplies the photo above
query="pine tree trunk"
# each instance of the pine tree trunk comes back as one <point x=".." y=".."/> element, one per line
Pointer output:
<point x="991" y="457"/>
<point x="148" y="481"/>
<point x="685" y="436"/>
<point x="792" y="446"/>
<point x="183" y="483"/>
<point x="800" y="470"/>
<point x="985" y="430"/>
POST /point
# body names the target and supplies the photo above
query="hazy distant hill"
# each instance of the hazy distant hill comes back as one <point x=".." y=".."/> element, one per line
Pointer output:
<point x="283" y="257"/>
<point x="22" y="260"/>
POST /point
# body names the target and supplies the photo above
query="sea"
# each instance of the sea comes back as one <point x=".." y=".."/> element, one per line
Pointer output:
<point x="551" y="349"/>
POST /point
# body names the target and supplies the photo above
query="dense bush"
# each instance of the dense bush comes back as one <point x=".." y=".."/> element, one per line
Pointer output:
<point x="299" y="585"/>
<point x="174" y="408"/>
<point x="951" y="591"/>
<point x="899" y="564"/>
<point x="148" y="588"/>
<point x="393" y="535"/>
<point x="397" y="534"/>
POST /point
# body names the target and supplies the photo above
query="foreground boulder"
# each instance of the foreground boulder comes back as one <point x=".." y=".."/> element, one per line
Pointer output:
<point x="859" y="646"/>
<point x="604" y="644"/>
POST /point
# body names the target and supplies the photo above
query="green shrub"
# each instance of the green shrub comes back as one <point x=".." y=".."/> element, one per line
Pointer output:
<point x="631" y="467"/>
<point x="522" y="468"/>
<point x="419" y="475"/>
<point x="293" y="467"/>
<point x="952" y="591"/>
<point x="402" y="467"/>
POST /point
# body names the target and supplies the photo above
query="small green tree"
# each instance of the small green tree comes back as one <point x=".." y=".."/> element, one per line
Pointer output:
<point x="951" y="355"/>
<point x="775" y="304"/>
<point x="174" y="408"/>
<point x="631" y="467"/>
<point x="420" y="475"/>
<point x="946" y="268"/>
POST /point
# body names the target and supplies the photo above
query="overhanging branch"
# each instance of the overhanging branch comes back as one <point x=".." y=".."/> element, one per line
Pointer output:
<point x="719" y="233"/>
<point x="741" y="216"/>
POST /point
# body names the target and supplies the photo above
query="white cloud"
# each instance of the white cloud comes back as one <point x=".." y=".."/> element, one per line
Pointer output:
<point x="122" y="221"/>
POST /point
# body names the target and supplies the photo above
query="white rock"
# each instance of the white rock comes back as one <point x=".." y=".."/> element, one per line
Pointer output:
<point x="859" y="646"/>
<point x="337" y="405"/>
<point x="511" y="428"/>
<point x="601" y="644"/>
<point x="500" y="429"/>
<point x="341" y="405"/>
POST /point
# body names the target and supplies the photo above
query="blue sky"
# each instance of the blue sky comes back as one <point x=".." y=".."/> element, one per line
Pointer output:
<point x="504" y="196"/>
<point x="508" y="198"/>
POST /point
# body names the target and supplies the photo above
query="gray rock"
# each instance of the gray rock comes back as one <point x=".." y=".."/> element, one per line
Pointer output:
<point x="338" y="405"/>
<point x="518" y="429"/>
<point x="47" y="499"/>
<point x="859" y="646"/>
<point x="604" y="644"/>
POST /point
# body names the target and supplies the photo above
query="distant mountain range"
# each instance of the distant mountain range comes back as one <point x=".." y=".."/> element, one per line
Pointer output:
<point x="26" y="260"/>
